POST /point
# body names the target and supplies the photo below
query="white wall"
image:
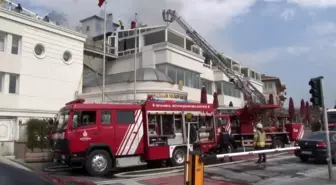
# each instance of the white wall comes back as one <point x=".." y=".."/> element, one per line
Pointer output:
<point x="47" y="83"/>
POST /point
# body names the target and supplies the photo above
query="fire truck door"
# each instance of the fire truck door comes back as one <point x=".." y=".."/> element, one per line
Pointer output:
<point x="107" y="128"/>
<point x="84" y="130"/>
<point x="128" y="132"/>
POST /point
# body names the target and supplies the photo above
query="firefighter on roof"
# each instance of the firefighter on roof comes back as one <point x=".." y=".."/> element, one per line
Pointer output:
<point x="259" y="141"/>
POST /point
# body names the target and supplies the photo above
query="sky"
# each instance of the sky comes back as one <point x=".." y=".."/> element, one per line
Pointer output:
<point x="294" y="40"/>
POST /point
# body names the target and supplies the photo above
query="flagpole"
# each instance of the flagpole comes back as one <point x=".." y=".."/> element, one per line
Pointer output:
<point x="104" y="53"/>
<point x="135" y="58"/>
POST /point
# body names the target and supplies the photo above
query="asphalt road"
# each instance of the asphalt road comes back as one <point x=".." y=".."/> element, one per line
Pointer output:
<point x="279" y="170"/>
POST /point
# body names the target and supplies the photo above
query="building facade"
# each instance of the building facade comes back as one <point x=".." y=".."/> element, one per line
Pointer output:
<point x="273" y="85"/>
<point x="41" y="67"/>
<point x="169" y="66"/>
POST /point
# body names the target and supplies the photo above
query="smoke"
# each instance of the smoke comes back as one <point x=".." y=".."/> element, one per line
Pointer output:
<point x="206" y="16"/>
<point x="58" y="17"/>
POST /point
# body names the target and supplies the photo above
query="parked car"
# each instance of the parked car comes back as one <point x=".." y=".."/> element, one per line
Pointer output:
<point x="315" y="146"/>
<point x="14" y="173"/>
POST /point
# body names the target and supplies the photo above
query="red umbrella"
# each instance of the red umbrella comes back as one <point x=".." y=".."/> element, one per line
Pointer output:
<point x="215" y="100"/>
<point x="204" y="98"/>
<point x="291" y="109"/>
<point x="271" y="99"/>
<point x="302" y="108"/>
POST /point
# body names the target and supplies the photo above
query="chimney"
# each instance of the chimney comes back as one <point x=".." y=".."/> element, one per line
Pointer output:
<point x="109" y="23"/>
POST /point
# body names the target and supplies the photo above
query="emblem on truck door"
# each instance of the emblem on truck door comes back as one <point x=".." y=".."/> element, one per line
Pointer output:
<point x="85" y="136"/>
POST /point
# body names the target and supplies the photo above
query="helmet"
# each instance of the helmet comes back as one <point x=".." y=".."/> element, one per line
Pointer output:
<point x="259" y="125"/>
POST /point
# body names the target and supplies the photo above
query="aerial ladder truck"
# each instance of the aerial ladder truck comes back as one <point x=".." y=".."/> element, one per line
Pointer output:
<point x="251" y="93"/>
<point x="255" y="100"/>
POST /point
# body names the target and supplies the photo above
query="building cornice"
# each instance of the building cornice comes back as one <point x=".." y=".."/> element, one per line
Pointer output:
<point x="34" y="22"/>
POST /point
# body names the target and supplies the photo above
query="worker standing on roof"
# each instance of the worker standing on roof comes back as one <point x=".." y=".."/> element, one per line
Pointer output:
<point x="259" y="141"/>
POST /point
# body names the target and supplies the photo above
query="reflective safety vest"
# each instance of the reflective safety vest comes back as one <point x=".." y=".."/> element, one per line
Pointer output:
<point x="259" y="139"/>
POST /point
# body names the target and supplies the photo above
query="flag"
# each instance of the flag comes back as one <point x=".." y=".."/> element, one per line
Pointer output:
<point x="133" y="23"/>
<point x="101" y="2"/>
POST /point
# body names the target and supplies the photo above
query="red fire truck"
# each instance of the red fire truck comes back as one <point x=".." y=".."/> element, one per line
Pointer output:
<point x="240" y="124"/>
<point x="102" y="137"/>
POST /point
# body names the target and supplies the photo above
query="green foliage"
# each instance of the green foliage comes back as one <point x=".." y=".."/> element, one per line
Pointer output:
<point x="38" y="133"/>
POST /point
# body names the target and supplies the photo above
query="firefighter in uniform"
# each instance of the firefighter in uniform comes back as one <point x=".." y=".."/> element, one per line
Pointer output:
<point x="259" y="142"/>
<point x="225" y="142"/>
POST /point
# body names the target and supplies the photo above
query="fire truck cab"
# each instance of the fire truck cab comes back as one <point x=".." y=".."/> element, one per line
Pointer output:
<point x="101" y="137"/>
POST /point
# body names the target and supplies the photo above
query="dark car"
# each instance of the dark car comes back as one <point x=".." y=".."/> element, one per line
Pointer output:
<point x="315" y="146"/>
<point x="14" y="173"/>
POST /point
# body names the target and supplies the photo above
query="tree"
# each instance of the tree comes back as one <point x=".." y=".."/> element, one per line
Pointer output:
<point x="291" y="109"/>
<point x="302" y="109"/>
<point x="308" y="113"/>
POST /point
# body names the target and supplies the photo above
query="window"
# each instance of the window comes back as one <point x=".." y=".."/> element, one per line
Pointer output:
<point x="208" y="85"/>
<point x="125" y="117"/>
<point x="171" y="72"/>
<point x="168" y="125"/>
<point x="188" y="79"/>
<point x="2" y="41"/>
<point x="180" y="75"/>
<point x="229" y="89"/>
<point x="84" y="118"/>
<point x="196" y="78"/>
<point x="268" y="85"/>
<point x="106" y="117"/>
<point x="87" y="28"/>
<point x="67" y="57"/>
<point x="162" y="68"/>
<point x="39" y="50"/>
<point x="1" y="81"/>
<point x="178" y="123"/>
<point x="219" y="88"/>
<point x="13" y="83"/>
<point x="15" y="44"/>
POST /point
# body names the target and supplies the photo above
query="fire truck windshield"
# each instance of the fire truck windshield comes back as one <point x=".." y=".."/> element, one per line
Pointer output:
<point x="62" y="120"/>
<point x="331" y="117"/>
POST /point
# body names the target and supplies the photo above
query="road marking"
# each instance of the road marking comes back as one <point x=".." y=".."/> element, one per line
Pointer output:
<point x="176" y="170"/>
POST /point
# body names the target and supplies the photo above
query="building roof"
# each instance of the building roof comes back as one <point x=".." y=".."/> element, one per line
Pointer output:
<point x="91" y="17"/>
<point x="35" y="21"/>
<point x="91" y="78"/>
<point x="266" y="78"/>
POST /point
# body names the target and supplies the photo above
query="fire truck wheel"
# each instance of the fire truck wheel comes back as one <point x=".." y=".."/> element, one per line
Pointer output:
<point x="178" y="157"/>
<point x="98" y="163"/>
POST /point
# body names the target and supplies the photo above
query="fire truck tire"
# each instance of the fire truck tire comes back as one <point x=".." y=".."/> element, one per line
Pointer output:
<point x="98" y="163"/>
<point x="178" y="157"/>
<point x="278" y="143"/>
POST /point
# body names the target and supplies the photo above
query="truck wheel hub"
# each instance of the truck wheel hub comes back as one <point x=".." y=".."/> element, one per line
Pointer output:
<point x="99" y="163"/>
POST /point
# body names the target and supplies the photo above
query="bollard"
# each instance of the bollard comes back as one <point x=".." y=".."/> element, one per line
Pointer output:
<point x="194" y="169"/>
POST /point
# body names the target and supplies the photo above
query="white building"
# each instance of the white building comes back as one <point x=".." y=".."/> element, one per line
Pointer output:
<point x="168" y="65"/>
<point x="41" y="66"/>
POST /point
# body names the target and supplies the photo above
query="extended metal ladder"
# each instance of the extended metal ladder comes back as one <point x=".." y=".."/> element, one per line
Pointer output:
<point x="242" y="83"/>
